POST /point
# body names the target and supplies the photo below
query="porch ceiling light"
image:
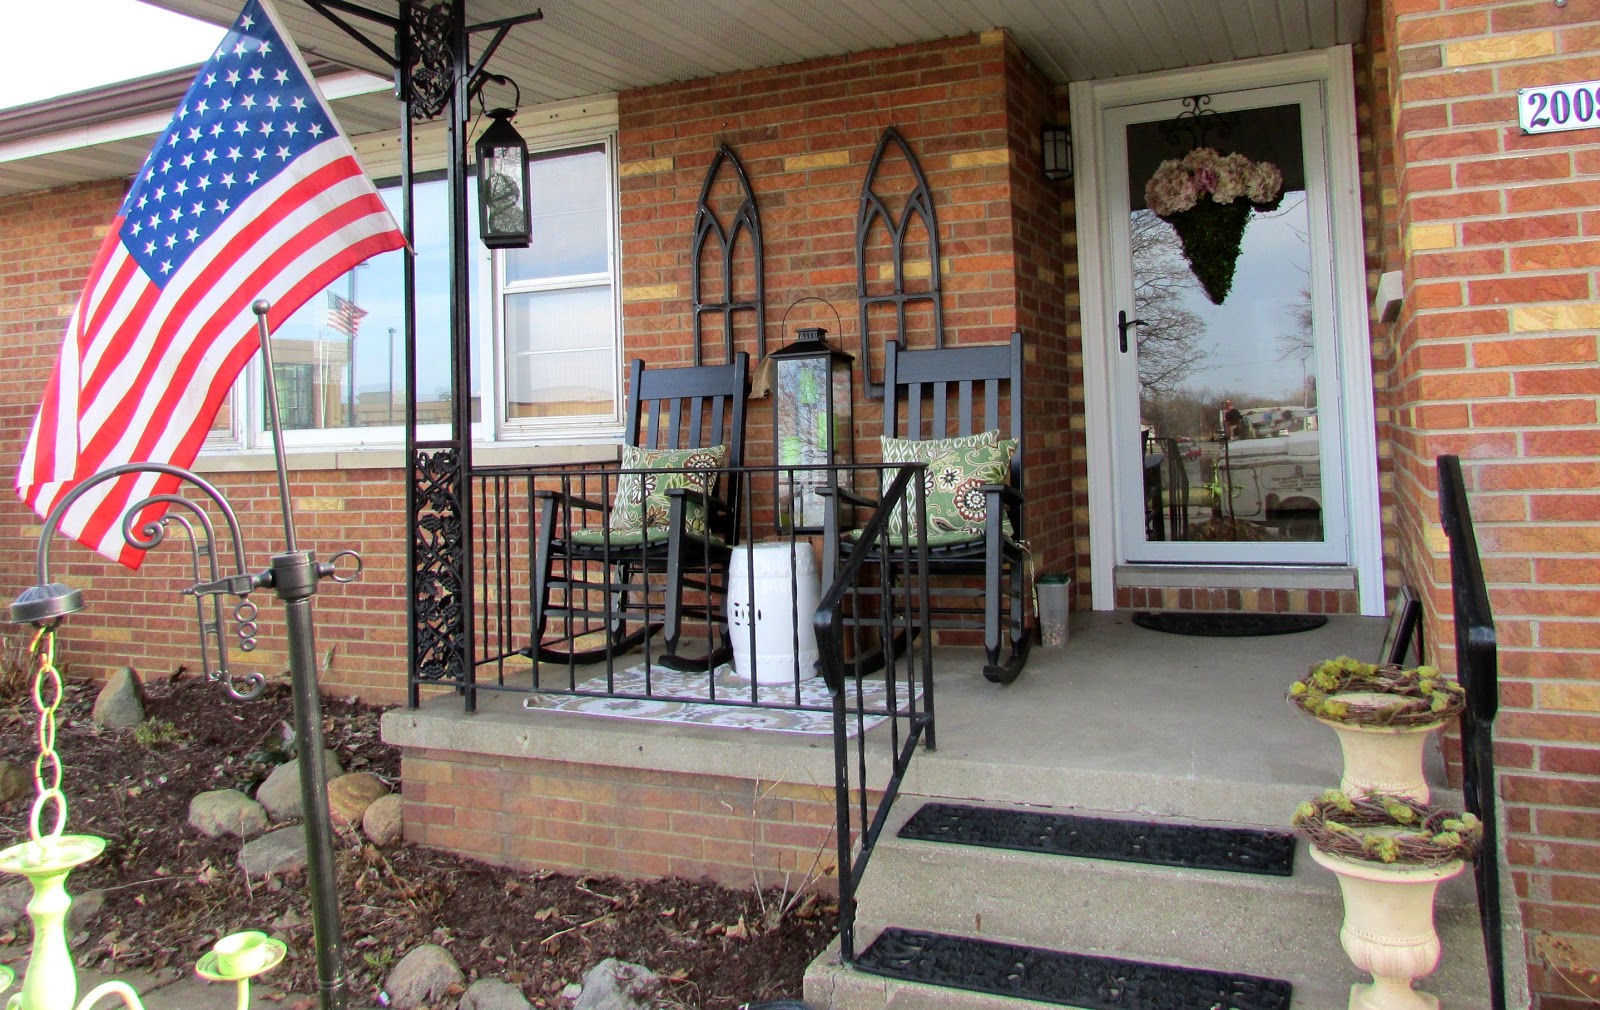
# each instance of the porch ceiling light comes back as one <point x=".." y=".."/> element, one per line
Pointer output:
<point x="1055" y="146"/>
<point x="505" y="218"/>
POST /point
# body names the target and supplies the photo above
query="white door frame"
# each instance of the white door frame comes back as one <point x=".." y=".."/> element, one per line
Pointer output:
<point x="1089" y="100"/>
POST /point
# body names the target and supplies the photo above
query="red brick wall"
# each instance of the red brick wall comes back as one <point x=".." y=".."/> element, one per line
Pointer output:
<point x="537" y="814"/>
<point x="1496" y="360"/>
<point x="970" y="109"/>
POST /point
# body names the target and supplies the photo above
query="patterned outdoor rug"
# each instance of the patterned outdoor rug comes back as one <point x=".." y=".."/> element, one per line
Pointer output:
<point x="675" y="697"/>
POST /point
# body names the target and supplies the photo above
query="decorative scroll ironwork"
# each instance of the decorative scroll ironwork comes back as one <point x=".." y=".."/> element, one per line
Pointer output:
<point x="432" y="64"/>
<point x="919" y="206"/>
<point x="437" y="613"/>
<point x="51" y="601"/>
<point x="708" y="226"/>
<point x="1196" y="123"/>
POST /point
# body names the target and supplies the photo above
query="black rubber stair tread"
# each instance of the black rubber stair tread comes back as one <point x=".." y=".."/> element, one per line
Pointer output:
<point x="1053" y="976"/>
<point x="1192" y="846"/>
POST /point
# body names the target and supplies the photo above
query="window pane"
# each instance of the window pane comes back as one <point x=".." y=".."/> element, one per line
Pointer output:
<point x="570" y="234"/>
<point x="559" y="354"/>
<point x="340" y="360"/>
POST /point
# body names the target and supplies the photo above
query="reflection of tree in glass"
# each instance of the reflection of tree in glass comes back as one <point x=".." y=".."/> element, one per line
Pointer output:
<point x="1170" y="345"/>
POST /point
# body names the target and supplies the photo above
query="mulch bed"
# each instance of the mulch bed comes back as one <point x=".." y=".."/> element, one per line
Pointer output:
<point x="170" y="893"/>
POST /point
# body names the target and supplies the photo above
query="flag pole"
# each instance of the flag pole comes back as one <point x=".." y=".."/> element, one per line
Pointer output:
<point x="260" y="308"/>
<point x="295" y="574"/>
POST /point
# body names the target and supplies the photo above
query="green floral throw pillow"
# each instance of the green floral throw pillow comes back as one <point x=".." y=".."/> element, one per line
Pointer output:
<point x="643" y="505"/>
<point x="957" y="470"/>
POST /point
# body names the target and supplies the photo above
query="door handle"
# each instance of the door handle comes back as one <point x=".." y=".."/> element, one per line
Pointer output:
<point x="1123" y="325"/>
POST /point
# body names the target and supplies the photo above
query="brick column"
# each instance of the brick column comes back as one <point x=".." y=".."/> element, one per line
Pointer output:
<point x="1495" y="360"/>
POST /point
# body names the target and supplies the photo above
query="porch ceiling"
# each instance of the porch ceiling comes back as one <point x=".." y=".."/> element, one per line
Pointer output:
<point x="600" y="46"/>
<point x="603" y="46"/>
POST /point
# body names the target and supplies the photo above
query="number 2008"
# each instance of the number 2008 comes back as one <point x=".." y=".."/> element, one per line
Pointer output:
<point x="1559" y="108"/>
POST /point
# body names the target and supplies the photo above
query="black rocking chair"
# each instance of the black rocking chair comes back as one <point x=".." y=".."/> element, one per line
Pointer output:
<point x="592" y="593"/>
<point x="955" y="392"/>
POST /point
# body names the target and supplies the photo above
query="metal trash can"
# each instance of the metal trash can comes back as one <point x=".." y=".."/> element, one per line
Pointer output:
<point x="1055" y="607"/>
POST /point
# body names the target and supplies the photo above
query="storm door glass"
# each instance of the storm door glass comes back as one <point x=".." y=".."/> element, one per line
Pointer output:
<point x="1223" y="341"/>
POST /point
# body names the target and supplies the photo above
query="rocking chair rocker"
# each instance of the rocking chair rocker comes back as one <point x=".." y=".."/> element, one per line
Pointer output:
<point x="592" y="580"/>
<point x="955" y="394"/>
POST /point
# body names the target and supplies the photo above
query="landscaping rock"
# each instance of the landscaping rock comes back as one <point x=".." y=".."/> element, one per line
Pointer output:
<point x="278" y="852"/>
<point x="15" y="782"/>
<point x="227" y="812"/>
<point x="280" y="793"/>
<point x="614" y="984"/>
<point x="349" y="796"/>
<point x="422" y="976"/>
<point x="493" y="994"/>
<point x="85" y="907"/>
<point x="382" y="823"/>
<point x="120" y="703"/>
<point x="14" y="902"/>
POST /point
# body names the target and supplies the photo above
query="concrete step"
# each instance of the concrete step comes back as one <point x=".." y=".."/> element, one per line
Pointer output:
<point x="1277" y="927"/>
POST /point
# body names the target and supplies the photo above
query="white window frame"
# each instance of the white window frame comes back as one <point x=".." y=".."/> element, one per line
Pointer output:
<point x="582" y="427"/>
<point x="546" y="128"/>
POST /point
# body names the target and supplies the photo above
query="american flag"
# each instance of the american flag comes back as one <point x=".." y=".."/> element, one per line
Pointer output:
<point x="344" y="315"/>
<point x="250" y="193"/>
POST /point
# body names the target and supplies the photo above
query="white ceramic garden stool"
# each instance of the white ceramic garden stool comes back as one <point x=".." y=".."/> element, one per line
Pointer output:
<point x="1388" y="927"/>
<point x="773" y="591"/>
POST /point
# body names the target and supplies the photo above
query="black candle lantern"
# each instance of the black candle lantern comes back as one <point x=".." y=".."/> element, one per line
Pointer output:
<point x="505" y="219"/>
<point x="813" y="424"/>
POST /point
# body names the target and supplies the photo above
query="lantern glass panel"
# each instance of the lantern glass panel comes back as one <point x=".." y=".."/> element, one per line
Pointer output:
<point x="504" y="205"/>
<point x="804" y="428"/>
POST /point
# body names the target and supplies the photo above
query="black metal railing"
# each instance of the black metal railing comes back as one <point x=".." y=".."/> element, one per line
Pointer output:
<point x="568" y="601"/>
<point x="1477" y="666"/>
<point x="874" y="617"/>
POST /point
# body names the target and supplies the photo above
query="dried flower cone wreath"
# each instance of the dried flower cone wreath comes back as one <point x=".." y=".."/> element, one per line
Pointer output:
<point x="1207" y="197"/>
<point x="1379" y="828"/>
<point x="1349" y="691"/>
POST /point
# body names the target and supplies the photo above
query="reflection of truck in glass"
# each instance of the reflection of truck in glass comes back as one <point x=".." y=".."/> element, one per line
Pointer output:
<point x="1277" y="481"/>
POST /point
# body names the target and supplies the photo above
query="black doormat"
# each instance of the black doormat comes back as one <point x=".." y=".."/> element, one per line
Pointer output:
<point x="1195" y="847"/>
<point x="1051" y="976"/>
<point x="1226" y="625"/>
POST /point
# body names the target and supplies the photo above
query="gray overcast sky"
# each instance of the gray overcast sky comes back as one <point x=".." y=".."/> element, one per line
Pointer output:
<point x="54" y="48"/>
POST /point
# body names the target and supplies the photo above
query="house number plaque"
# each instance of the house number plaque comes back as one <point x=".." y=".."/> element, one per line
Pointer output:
<point x="1557" y="107"/>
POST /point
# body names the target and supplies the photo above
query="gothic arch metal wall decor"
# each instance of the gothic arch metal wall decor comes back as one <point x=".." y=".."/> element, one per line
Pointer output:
<point x="707" y="226"/>
<point x="919" y="206"/>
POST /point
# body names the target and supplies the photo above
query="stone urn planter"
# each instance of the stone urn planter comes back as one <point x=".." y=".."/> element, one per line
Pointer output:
<point x="1390" y="854"/>
<point x="1382" y="715"/>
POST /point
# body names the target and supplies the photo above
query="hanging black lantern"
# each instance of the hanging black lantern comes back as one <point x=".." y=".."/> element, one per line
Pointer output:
<point x="813" y="424"/>
<point x="505" y="219"/>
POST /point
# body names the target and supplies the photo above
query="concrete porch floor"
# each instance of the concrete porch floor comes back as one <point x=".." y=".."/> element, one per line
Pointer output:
<point x="1127" y="719"/>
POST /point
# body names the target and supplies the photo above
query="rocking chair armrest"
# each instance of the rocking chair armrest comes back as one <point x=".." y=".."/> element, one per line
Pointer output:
<point x="572" y="500"/>
<point x="704" y="499"/>
<point x="847" y="496"/>
<point x="1009" y="494"/>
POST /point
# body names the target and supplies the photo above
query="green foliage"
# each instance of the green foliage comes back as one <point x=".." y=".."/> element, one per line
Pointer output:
<point x="154" y="733"/>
